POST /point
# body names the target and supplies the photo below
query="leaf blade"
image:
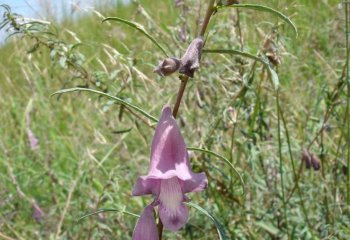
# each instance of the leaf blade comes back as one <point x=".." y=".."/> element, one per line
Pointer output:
<point x="138" y="27"/>
<point x="272" y="73"/>
<point x="265" y="9"/>
<point x="220" y="229"/>
<point x="235" y="52"/>
<point x="106" y="210"/>
<point x="119" y="100"/>
<point x="222" y="158"/>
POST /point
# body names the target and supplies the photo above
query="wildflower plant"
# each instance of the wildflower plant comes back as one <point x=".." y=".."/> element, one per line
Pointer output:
<point x="188" y="60"/>
<point x="170" y="175"/>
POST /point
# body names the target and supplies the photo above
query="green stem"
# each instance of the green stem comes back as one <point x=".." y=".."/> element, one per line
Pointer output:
<point x="281" y="160"/>
<point x="348" y="99"/>
<point x="295" y="175"/>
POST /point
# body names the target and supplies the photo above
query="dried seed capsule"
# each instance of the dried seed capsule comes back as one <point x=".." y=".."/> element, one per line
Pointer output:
<point x="167" y="66"/>
<point x="315" y="162"/>
<point x="306" y="157"/>
<point x="190" y="60"/>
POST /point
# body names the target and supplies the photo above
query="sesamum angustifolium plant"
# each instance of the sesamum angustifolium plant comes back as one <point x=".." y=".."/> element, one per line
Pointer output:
<point x="219" y="162"/>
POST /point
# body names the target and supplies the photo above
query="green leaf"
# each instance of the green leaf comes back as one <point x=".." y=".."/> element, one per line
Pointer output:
<point x="268" y="227"/>
<point x="119" y="100"/>
<point x="107" y="210"/>
<point x="273" y="75"/>
<point x="222" y="158"/>
<point x="220" y="229"/>
<point x="265" y="9"/>
<point x="274" y="78"/>
<point x="235" y="52"/>
<point x="122" y="131"/>
<point x="138" y="27"/>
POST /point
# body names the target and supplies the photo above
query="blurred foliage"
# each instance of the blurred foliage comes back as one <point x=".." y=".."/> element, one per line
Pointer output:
<point x="92" y="149"/>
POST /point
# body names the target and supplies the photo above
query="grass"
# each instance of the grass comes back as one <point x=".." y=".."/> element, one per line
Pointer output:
<point x="88" y="158"/>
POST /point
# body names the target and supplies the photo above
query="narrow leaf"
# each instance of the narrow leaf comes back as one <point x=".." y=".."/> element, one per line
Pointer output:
<point x="122" y="131"/>
<point x="268" y="227"/>
<point x="220" y="229"/>
<point x="106" y="210"/>
<point x="222" y="158"/>
<point x="235" y="52"/>
<point x="273" y="75"/>
<point x="265" y="9"/>
<point x="274" y="78"/>
<point x="138" y="27"/>
<point x="119" y="100"/>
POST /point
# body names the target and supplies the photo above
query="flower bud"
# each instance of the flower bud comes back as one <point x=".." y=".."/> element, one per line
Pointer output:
<point x="306" y="158"/>
<point x="190" y="60"/>
<point x="37" y="212"/>
<point x="315" y="162"/>
<point x="168" y="66"/>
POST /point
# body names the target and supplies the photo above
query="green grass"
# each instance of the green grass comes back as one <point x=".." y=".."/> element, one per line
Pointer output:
<point x="78" y="130"/>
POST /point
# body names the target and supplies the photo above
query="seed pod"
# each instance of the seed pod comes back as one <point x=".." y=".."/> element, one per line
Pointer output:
<point x="315" y="162"/>
<point x="167" y="66"/>
<point x="190" y="60"/>
<point x="306" y="157"/>
<point x="271" y="52"/>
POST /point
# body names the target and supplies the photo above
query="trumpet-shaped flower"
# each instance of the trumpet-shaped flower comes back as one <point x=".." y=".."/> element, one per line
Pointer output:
<point x="169" y="178"/>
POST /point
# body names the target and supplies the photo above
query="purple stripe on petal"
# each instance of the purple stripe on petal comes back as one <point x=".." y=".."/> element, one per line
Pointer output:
<point x="172" y="211"/>
<point x="146" y="228"/>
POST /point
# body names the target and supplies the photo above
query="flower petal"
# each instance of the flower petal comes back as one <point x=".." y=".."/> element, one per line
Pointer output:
<point x="145" y="186"/>
<point x="172" y="211"/>
<point x="33" y="141"/>
<point x="197" y="183"/>
<point x="146" y="228"/>
<point x="169" y="158"/>
<point x="169" y="155"/>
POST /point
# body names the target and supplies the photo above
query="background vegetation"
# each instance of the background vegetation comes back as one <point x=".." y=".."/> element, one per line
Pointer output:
<point x="91" y="149"/>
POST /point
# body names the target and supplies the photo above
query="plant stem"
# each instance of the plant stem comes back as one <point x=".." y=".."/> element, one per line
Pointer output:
<point x="348" y="99"/>
<point x="295" y="176"/>
<point x="208" y="15"/>
<point x="184" y="80"/>
<point x="281" y="160"/>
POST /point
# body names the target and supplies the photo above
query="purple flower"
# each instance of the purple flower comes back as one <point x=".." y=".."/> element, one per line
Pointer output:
<point x="169" y="178"/>
<point x="37" y="212"/>
<point x="146" y="228"/>
<point x="33" y="141"/>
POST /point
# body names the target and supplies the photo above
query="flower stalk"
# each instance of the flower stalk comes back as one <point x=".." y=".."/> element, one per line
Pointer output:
<point x="184" y="78"/>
